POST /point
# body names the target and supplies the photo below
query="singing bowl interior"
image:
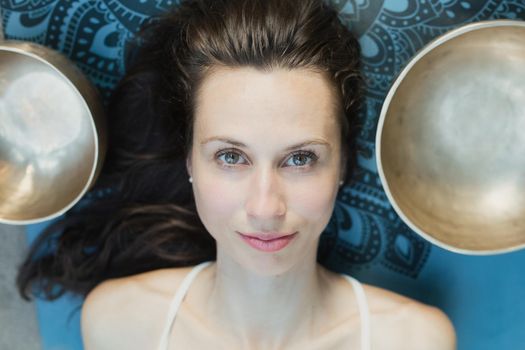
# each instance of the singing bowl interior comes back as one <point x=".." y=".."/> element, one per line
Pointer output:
<point x="48" y="141"/>
<point x="451" y="140"/>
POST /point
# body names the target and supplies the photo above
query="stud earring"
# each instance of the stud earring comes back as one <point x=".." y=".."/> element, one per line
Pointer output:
<point x="190" y="179"/>
<point x="341" y="183"/>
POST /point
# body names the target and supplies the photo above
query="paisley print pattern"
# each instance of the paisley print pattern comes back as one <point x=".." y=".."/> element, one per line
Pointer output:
<point x="364" y="231"/>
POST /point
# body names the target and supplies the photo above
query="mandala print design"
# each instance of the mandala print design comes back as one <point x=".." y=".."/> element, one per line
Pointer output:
<point x="91" y="33"/>
<point x="364" y="231"/>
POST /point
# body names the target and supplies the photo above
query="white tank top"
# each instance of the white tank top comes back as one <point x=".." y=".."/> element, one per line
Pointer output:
<point x="186" y="282"/>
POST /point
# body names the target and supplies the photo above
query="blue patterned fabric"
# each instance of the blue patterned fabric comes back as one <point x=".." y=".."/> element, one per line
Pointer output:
<point x="365" y="238"/>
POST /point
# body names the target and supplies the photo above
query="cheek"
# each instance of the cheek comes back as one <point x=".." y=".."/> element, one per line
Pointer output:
<point x="315" y="203"/>
<point x="216" y="201"/>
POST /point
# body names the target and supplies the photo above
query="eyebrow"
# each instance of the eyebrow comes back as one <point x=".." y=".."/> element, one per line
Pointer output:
<point x="240" y="144"/>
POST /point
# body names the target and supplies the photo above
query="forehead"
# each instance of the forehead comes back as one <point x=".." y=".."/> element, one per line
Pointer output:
<point x="247" y="101"/>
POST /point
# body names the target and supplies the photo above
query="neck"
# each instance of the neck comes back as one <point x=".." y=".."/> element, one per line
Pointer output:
<point x="266" y="310"/>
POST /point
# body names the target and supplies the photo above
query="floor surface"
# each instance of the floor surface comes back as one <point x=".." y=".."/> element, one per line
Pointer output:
<point x="18" y="322"/>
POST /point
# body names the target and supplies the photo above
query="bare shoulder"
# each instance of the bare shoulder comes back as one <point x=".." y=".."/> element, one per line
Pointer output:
<point x="129" y="312"/>
<point x="405" y="323"/>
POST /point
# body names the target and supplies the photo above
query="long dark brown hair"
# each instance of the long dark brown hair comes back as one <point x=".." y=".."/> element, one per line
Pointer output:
<point x="141" y="214"/>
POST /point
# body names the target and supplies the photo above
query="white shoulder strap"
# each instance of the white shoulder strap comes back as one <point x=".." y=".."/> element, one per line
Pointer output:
<point x="177" y="300"/>
<point x="364" y="312"/>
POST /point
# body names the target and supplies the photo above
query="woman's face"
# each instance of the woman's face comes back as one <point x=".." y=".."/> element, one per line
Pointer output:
<point x="265" y="159"/>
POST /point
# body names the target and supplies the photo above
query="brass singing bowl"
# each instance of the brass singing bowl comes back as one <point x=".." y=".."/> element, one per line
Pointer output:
<point x="52" y="133"/>
<point x="450" y="143"/>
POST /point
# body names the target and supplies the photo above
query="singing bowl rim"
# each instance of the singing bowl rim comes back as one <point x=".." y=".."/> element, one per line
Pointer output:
<point x="440" y="40"/>
<point x="52" y="62"/>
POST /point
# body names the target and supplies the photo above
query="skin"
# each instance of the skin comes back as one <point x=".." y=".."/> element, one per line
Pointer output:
<point x="249" y="175"/>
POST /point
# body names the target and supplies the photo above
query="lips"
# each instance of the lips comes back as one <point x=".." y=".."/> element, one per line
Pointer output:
<point x="266" y="236"/>
<point x="268" y="241"/>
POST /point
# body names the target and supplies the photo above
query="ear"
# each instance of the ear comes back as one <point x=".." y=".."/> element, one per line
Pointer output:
<point x="188" y="164"/>
<point x="342" y="172"/>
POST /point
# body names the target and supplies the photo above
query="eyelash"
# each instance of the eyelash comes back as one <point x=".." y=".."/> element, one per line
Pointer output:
<point x="308" y="153"/>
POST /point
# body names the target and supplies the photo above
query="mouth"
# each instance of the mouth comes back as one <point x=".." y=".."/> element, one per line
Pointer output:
<point x="268" y="241"/>
<point x="266" y="236"/>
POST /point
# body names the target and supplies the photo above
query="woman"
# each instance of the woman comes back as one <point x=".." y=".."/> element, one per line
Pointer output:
<point x="254" y="101"/>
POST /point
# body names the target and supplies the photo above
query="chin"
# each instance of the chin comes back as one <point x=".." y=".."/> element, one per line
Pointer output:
<point x="272" y="264"/>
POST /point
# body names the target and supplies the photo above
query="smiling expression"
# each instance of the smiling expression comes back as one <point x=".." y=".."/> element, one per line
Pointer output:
<point x="265" y="158"/>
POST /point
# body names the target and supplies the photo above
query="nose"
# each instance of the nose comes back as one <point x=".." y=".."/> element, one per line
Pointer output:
<point x="265" y="199"/>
